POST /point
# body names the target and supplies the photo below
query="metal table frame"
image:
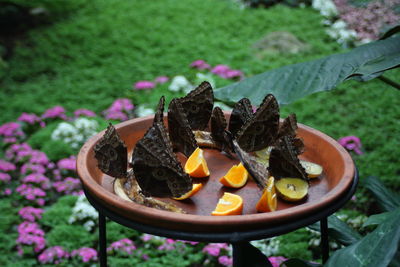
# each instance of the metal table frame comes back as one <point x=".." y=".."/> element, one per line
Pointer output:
<point x="244" y="254"/>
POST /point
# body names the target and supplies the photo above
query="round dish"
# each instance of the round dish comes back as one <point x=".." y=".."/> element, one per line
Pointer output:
<point x="319" y="148"/>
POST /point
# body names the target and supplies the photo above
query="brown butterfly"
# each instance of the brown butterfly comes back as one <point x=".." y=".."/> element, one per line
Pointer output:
<point x="241" y="113"/>
<point x="260" y="131"/>
<point x="155" y="166"/>
<point x="111" y="154"/>
<point x="198" y="105"/>
<point x="179" y="130"/>
<point x="221" y="137"/>
<point x="159" y="116"/>
<point x="289" y="128"/>
<point x="283" y="160"/>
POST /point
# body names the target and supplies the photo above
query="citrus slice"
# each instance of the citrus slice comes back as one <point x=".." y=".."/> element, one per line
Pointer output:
<point x="196" y="165"/>
<point x="229" y="204"/>
<point x="291" y="189"/>
<point x="313" y="170"/>
<point x="236" y="177"/>
<point x="268" y="201"/>
<point x="195" y="189"/>
<point x="264" y="153"/>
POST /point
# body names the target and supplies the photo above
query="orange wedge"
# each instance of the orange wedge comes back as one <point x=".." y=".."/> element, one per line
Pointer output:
<point x="236" y="177"/>
<point x="229" y="204"/>
<point x="195" y="189"/>
<point x="196" y="165"/>
<point x="268" y="201"/>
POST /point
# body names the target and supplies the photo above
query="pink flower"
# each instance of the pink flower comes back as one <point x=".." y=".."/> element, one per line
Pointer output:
<point x="144" y="85"/>
<point x="231" y="74"/>
<point x="124" y="245"/>
<point x="200" y="64"/>
<point x="53" y="255"/>
<point x="31" y="234"/>
<point x="38" y="179"/>
<point x="351" y="143"/>
<point x="67" y="163"/>
<point x="220" y="70"/>
<point x="161" y="79"/>
<point x="225" y="260"/>
<point x="55" y="112"/>
<point x="119" y="110"/>
<point x="86" y="254"/>
<point x="30" y="192"/>
<point x="29" y="118"/>
<point x="7" y="166"/>
<point x="213" y="249"/>
<point x="146" y="237"/>
<point x="84" y="112"/>
<point x="7" y="191"/>
<point x="5" y="177"/>
<point x="32" y="168"/>
<point x="30" y="213"/>
<point x="276" y="261"/>
<point x="68" y="186"/>
<point x="11" y="130"/>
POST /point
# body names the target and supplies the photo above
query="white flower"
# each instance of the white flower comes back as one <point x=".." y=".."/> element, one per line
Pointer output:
<point x="326" y="7"/>
<point x="201" y="77"/>
<point x="180" y="83"/>
<point x="84" y="213"/>
<point x="142" y="111"/>
<point x="75" y="133"/>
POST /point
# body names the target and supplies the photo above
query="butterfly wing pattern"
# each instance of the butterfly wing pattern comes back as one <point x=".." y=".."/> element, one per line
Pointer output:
<point x="219" y="134"/>
<point x="260" y="131"/>
<point x="180" y="132"/>
<point x="198" y="106"/>
<point x="159" y="116"/>
<point x="241" y="113"/>
<point x="283" y="160"/>
<point x="155" y="166"/>
<point x="111" y="154"/>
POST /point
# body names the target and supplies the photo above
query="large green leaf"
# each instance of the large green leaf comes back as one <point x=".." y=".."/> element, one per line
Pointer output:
<point x="299" y="263"/>
<point x="375" y="249"/>
<point x="387" y="199"/>
<point x="292" y="82"/>
<point x="377" y="219"/>
<point x="339" y="231"/>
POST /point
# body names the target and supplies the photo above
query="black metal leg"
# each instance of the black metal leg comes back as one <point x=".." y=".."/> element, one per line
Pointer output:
<point x="246" y="255"/>
<point x="324" y="239"/>
<point x="102" y="240"/>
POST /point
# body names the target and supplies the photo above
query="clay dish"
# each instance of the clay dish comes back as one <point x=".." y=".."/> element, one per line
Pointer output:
<point x="336" y="179"/>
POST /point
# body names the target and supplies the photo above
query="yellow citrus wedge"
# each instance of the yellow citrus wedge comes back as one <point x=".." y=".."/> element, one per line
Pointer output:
<point x="268" y="200"/>
<point x="313" y="170"/>
<point x="236" y="177"/>
<point x="291" y="189"/>
<point x="229" y="204"/>
<point x="195" y="189"/>
<point x="196" y="165"/>
<point x="264" y="153"/>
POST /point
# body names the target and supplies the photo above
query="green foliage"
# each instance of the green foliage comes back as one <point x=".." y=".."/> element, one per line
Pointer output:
<point x="59" y="212"/>
<point x="387" y="199"/>
<point x="295" y="245"/>
<point x="293" y="82"/>
<point x="55" y="7"/>
<point x="117" y="232"/>
<point x="70" y="236"/>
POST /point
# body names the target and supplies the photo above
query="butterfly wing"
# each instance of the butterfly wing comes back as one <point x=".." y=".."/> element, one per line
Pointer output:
<point x="159" y="116"/>
<point x="111" y="154"/>
<point x="289" y="128"/>
<point x="179" y="130"/>
<point x="241" y="113"/>
<point x="156" y="168"/>
<point x="283" y="160"/>
<point x="198" y="106"/>
<point x="218" y="131"/>
<point x="262" y="129"/>
<point x="257" y="170"/>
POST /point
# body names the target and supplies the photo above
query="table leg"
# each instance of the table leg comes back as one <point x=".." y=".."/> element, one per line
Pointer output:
<point x="246" y="255"/>
<point x="102" y="240"/>
<point x="324" y="239"/>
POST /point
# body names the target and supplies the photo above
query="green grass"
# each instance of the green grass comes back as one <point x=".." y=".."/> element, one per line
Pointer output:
<point x="96" y="54"/>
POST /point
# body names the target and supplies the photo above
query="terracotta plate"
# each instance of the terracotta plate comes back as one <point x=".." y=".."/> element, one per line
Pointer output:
<point x="320" y="148"/>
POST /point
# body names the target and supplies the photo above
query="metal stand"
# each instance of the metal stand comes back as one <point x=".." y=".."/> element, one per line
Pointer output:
<point x="244" y="254"/>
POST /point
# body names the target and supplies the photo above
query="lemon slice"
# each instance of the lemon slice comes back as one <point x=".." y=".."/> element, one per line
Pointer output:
<point x="292" y="189"/>
<point x="313" y="170"/>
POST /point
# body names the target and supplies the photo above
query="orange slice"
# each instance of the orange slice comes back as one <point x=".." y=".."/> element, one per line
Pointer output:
<point x="195" y="189"/>
<point x="236" y="177"/>
<point x="196" y="165"/>
<point x="268" y="200"/>
<point x="229" y="204"/>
